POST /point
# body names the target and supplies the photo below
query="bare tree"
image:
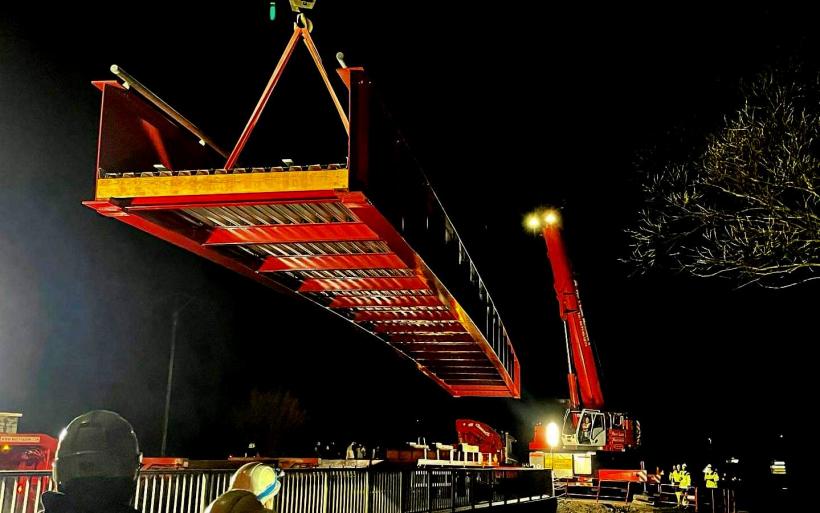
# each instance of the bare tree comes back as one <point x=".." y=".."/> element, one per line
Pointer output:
<point x="747" y="207"/>
<point x="271" y="419"/>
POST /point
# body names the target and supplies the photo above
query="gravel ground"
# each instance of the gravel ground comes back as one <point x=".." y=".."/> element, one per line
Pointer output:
<point x="582" y="506"/>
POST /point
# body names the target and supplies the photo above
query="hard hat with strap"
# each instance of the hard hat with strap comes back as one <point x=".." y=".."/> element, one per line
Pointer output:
<point x="260" y="479"/>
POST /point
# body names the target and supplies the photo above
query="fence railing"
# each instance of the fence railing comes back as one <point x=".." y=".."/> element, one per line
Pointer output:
<point x="20" y="491"/>
<point x="178" y="491"/>
<point x="316" y="490"/>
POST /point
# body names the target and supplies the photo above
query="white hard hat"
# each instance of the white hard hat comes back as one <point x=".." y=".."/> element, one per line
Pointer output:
<point x="260" y="479"/>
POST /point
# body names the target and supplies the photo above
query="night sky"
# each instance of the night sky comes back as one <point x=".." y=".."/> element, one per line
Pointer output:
<point x="506" y="110"/>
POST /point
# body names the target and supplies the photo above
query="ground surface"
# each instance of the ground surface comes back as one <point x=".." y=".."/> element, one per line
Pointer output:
<point x="585" y="506"/>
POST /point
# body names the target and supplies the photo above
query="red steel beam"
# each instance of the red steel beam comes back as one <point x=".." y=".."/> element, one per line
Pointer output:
<point x="475" y="380"/>
<point x="471" y="365"/>
<point x="432" y="337"/>
<point x="226" y="200"/>
<point x="286" y="233"/>
<point x="435" y="350"/>
<point x="440" y="346"/>
<point x="443" y="371"/>
<point x="401" y="309"/>
<point x="331" y="284"/>
<point x="483" y="391"/>
<point x="410" y="316"/>
<point x="409" y="328"/>
<point x="454" y="361"/>
<point x="357" y="203"/>
<point x="332" y="262"/>
<point x="447" y="359"/>
<point x="462" y="366"/>
<point x="394" y="301"/>
<point x="488" y="375"/>
<point x="446" y="356"/>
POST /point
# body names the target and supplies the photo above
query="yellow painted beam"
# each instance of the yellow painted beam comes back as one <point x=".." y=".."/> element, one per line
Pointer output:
<point x="284" y="181"/>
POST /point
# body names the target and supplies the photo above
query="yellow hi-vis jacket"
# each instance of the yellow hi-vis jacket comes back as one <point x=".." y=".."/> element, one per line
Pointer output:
<point x="674" y="476"/>
<point x="685" y="479"/>
<point x="712" y="479"/>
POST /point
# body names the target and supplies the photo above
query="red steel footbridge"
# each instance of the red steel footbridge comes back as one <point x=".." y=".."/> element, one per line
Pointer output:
<point x="365" y="237"/>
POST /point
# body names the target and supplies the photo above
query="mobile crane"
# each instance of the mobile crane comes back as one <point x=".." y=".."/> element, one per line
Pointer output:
<point x="586" y="425"/>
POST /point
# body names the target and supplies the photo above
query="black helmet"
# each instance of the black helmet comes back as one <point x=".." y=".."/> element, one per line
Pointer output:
<point x="98" y="451"/>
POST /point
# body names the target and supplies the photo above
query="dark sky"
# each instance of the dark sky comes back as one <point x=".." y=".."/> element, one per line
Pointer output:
<point x="507" y="110"/>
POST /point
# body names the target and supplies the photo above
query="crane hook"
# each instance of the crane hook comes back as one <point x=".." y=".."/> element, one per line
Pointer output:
<point x="303" y="22"/>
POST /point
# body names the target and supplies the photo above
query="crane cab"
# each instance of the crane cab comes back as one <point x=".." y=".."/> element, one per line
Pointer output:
<point x="597" y="430"/>
<point x="584" y="429"/>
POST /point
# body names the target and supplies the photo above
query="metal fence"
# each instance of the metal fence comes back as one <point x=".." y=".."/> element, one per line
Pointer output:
<point x="409" y="491"/>
<point x="314" y="490"/>
<point x="178" y="491"/>
<point x="20" y="491"/>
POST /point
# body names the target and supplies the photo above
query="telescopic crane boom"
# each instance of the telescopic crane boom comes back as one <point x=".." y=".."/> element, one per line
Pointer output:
<point x="579" y="349"/>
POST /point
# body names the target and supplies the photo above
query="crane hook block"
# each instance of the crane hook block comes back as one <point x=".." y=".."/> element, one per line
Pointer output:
<point x="302" y="21"/>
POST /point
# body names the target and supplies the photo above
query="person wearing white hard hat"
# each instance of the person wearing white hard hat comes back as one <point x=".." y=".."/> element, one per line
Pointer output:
<point x="683" y="486"/>
<point x="711" y="477"/>
<point x="262" y="480"/>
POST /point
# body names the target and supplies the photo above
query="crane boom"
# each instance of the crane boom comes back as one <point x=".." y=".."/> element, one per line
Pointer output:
<point x="569" y="302"/>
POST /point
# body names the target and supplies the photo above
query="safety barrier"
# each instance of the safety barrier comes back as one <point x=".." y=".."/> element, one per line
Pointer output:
<point x="666" y="495"/>
<point x="614" y="491"/>
<point x="715" y="500"/>
<point x="584" y="490"/>
<point x="600" y="490"/>
<point x="700" y="500"/>
<point x="317" y="490"/>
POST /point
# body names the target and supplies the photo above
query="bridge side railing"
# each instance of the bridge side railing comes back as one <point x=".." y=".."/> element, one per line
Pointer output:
<point x="313" y="490"/>
<point x="386" y="169"/>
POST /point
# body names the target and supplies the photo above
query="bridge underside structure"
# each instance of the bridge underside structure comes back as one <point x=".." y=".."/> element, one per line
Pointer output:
<point x="361" y="238"/>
